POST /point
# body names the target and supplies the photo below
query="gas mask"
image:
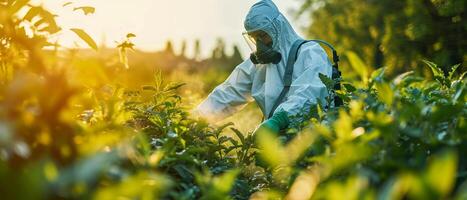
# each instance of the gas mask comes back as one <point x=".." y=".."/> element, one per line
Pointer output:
<point x="263" y="53"/>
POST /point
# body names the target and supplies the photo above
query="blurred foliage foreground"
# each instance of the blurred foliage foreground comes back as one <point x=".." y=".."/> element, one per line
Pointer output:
<point x="403" y="138"/>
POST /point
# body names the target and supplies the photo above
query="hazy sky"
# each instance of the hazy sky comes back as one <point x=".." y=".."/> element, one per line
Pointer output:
<point x="156" y="21"/>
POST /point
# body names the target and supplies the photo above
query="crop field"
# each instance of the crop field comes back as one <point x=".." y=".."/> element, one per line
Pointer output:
<point x="116" y="123"/>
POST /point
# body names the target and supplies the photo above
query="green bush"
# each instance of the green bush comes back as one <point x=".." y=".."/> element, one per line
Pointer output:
<point x="401" y="138"/>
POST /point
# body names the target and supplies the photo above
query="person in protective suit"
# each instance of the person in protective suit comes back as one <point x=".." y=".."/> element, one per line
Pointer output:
<point x="260" y="77"/>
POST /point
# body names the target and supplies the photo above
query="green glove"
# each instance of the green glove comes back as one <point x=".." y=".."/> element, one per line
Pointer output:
<point x="277" y="122"/>
<point x="273" y="125"/>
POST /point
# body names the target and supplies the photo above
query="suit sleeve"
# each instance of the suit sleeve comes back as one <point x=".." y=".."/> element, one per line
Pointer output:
<point x="230" y="96"/>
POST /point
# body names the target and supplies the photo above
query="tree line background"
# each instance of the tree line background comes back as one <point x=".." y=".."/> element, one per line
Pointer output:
<point x="114" y="122"/>
<point x="397" y="34"/>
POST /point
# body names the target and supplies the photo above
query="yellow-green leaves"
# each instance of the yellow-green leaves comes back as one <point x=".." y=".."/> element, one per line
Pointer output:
<point x="15" y="6"/>
<point x="385" y="93"/>
<point x="275" y="153"/>
<point x="155" y="157"/>
<point x="441" y="172"/>
<point x="401" y="77"/>
<point x="377" y="75"/>
<point x="453" y="72"/>
<point x="67" y="4"/>
<point x="50" y="171"/>
<point x="438" y="74"/>
<point x="397" y="187"/>
<point x="43" y="20"/>
<point x="143" y="185"/>
<point x="216" y="187"/>
<point x="356" y="109"/>
<point x="280" y="157"/>
<point x="436" y="182"/>
<point x="381" y="119"/>
<point x="225" y="182"/>
<point x="328" y="82"/>
<point x="86" y="9"/>
<point x="359" y="66"/>
<point x="123" y="49"/>
<point x="299" y="145"/>
<point x="85" y="37"/>
<point x="343" y="127"/>
<point x="272" y="151"/>
<point x="384" y="89"/>
<point x="33" y="11"/>
<point x="351" y="188"/>
<point x="130" y="35"/>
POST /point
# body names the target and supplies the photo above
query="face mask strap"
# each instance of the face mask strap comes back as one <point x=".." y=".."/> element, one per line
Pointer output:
<point x="274" y="32"/>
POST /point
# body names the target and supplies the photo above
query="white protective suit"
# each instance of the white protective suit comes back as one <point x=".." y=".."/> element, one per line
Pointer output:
<point x="263" y="82"/>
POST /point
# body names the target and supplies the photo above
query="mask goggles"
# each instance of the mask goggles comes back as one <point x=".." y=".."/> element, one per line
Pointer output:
<point x="261" y="44"/>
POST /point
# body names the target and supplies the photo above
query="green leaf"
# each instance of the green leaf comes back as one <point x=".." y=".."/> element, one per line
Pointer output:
<point x="385" y="93"/>
<point x="377" y="75"/>
<point x="401" y="77"/>
<point x="174" y="86"/>
<point x="349" y="87"/>
<point x="52" y="28"/>
<point x="397" y="187"/>
<point x="343" y="95"/>
<point x="143" y="143"/>
<point x="67" y="3"/>
<point x="33" y="11"/>
<point x="358" y="65"/>
<point x="224" y="182"/>
<point x="441" y="172"/>
<point x="343" y="127"/>
<point x="271" y="149"/>
<point x="149" y="87"/>
<point x="462" y="191"/>
<point x="130" y="35"/>
<point x="85" y="37"/>
<point x="328" y="82"/>
<point x="18" y="4"/>
<point x="86" y="9"/>
<point x="437" y="72"/>
<point x="453" y="70"/>
<point x="126" y="45"/>
<point x="184" y="172"/>
<point x="461" y="77"/>
<point x="123" y="57"/>
<point x="298" y="146"/>
<point x="142" y="185"/>
<point x="434" y="68"/>
<point x="459" y="91"/>
<point x="239" y="135"/>
<point x="44" y="20"/>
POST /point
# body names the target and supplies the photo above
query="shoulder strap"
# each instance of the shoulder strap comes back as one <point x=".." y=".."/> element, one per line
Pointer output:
<point x="293" y="54"/>
<point x="288" y="73"/>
